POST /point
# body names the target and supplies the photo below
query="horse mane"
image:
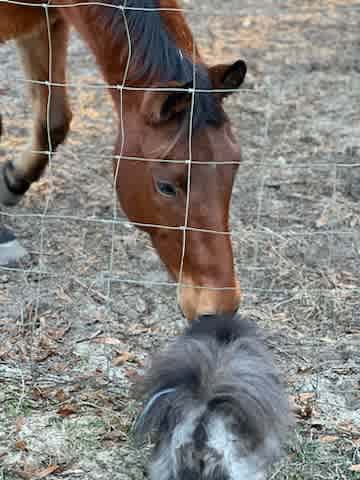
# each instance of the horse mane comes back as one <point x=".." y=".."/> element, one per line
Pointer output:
<point x="155" y="57"/>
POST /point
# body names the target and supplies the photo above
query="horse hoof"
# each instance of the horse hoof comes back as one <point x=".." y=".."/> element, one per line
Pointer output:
<point x="8" y="197"/>
<point x="11" y="251"/>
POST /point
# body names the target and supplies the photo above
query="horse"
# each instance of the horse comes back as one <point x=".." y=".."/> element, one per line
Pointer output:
<point x="213" y="404"/>
<point x="175" y="156"/>
<point x="212" y="401"/>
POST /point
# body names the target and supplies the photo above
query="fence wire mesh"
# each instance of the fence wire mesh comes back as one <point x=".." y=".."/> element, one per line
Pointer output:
<point x="81" y="314"/>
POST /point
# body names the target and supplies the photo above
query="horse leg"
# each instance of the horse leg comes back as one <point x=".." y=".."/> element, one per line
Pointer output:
<point x="52" y="114"/>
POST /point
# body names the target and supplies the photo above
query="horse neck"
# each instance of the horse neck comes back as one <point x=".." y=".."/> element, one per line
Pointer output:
<point x="176" y="23"/>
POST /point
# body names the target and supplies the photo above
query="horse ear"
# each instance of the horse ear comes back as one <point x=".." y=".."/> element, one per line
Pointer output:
<point x="227" y="77"/>
<point x="161" y="106"/>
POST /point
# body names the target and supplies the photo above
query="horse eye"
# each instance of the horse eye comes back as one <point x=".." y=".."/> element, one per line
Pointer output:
<point x="166" y="189"/>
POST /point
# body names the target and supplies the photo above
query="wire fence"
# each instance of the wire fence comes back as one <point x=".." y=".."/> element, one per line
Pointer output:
<point x="295" y="230"/>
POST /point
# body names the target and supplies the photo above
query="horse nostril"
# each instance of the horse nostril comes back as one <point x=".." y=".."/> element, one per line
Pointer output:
<point x="202" y="465"/>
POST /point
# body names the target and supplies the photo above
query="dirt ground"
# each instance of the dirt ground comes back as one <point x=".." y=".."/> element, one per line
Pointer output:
<point x="68" y="354"/>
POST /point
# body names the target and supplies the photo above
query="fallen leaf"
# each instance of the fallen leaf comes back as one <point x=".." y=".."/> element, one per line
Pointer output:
<point x="114" y="436"/>
<point x="44" y="356"/>
<point x="58" y="334"/>
<point x="304" y="369"/>
<point x="106" y="341"/>
<point x="355" y="468"/>
<point x="77" y="387"/>
<point x="20" y="421"/>
<point x="4" y="354"/>
<point x="343" y="370"/>
<point x="46" y="471"/>
<point x="60" y="395"/>
<point x="89" y="339"/>
<point x="123" y="358"/>
<point x="316" y="424"/>
<point x="302" y="405"/>
<point x="22" y="474"/>
<point x="328" y="438"/>
<point x="307" y="411"/>
<point x="67" y="410"/>
<point x="3" y="453"/>
<point x="21" y="445"/>
<point x="322" y="220"/>
<point x="74" y="472"/>
<point x="39" y="393"/>
<point x="305" y="397"/>
<point x="46" y="342"/>
<point x="133" y="375"/>
<point x="347" y="427"/>
<point x="293" y="405"/>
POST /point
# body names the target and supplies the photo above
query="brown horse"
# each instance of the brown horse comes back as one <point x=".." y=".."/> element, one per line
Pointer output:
<point x="182" y="201"/>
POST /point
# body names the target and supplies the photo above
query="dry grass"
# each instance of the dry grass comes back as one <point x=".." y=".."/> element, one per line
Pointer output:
<point x="68" y="353"/>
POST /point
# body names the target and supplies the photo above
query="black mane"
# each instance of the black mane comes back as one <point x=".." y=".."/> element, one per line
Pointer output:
<point x="155" y="54"/>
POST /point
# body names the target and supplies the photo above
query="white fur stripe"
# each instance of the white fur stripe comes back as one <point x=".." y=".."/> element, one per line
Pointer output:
<point x="151" y="402"/>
